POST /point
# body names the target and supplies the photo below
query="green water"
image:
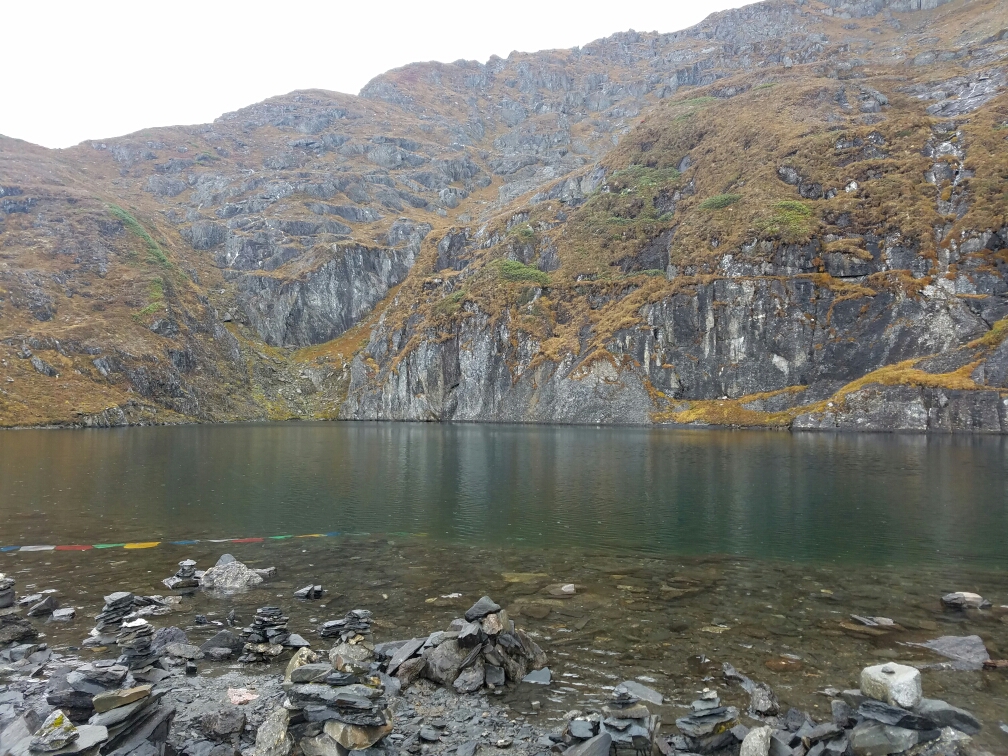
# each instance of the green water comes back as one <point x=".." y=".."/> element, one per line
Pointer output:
<point x="818" y="497"/>
<point x="688" y="548"/>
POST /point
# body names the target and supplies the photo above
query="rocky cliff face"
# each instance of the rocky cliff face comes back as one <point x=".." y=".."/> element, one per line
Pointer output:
<point x="790" y="214"/>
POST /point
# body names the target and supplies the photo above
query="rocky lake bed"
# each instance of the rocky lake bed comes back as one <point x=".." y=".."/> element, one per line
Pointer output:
<point x="368" y="643"/>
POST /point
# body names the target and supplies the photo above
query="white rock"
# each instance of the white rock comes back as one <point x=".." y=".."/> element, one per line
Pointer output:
<point x="896" y="684"/>
<point x="757" y="742"/>
<point x="963" y="599"/>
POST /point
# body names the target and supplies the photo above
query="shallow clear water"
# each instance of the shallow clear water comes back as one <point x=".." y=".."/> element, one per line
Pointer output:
<point x="688" y="548"/>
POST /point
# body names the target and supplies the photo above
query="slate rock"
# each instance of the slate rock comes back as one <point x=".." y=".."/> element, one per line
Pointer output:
<point x="445" y="662"/>
<point x="470" y="679"/>
<point x="583" y="729"/>
<point x="165" y="635"/>
<point x="408" y="649"/>
<point x="224" y="723"/>
<point x="876" y="738"/>
<point x="894" y="716"/>
<point x="224" y="639"/>
<point x="843" y="714"/>
<point x="481" y="609"/>
<point x="321" y="745"/>
<point x="967" y="652"/>
<point x="762" y="700"/>
<point x="356" y="737"/>
<point x="410" y="670"/>
<point x="14" y="629"/>
<point x="539" y="676"/>
<point x="183" y="651"/>
<point x="642" y="692"/>
<point x="712" y="722"/>
<point x="596" y="746"/>
<point x="114" y="699"/>
<point x="946" y="715"/>
<point x="45" y="607"/>
<point x="494" y="675"/>
<point x="56" y="732"/>
<point x="309" y="673"/>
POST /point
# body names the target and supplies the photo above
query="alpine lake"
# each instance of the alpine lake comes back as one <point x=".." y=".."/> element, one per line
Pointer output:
<point x="686" y="549"/>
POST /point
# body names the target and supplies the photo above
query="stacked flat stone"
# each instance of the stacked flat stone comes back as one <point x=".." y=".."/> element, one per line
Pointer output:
<point x="339" y="699"/>
<point x="266" y="637"/>
<point x="74" y="691"/>
<point x="888" y="714"/>
<point x="356" y="622"/>
<point x="185" y="579"/>
<point x="117" y="606"/>
<point x="6" y="591"/>
<point x="629" y="723"/>
<point x="710" y="725"/>
<point x="119" y="720"/>
<point x="134" y="640"/>
<point x="132" y="716"/>
<point x="484" y="648"/>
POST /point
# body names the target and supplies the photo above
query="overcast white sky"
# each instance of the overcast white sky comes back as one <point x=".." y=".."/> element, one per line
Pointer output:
<point x="87" y="70"/>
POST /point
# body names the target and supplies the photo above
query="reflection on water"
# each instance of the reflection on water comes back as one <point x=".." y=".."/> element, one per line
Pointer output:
<point x="812" y="497"/>
<point x="689" y="549"/>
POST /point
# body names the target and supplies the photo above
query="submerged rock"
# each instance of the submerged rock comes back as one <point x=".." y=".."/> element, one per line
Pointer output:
<point x="14" y="629"/>
<point x="964" y="600"/>
<point x="967" y="652"/>
<point x="229" y="576"/>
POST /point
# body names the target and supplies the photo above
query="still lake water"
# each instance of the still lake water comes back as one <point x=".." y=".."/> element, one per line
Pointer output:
<point x="688" y="548"/>
<point x="814" y="497"/>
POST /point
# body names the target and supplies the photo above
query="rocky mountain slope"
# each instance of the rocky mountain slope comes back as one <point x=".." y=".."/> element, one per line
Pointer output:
<point x="793" y="214"/>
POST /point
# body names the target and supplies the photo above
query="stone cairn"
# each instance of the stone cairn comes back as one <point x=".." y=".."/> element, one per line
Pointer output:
<point x="6" y="591"/>
<point x="482" y="649"/>
<point x="625" y="724"/>
<point x="134" y="640"/>
<point x="121" y="607"/>
<point x="309" y="593"/>
<point x="334" y="702"/>
<point x="888" y="714"/>
<point x="356" y="622"/>
<point x="185" y="579"/>
<point x="110" y="618"/>
<point x="340" y="699"/>
<point x="268" y="637"/>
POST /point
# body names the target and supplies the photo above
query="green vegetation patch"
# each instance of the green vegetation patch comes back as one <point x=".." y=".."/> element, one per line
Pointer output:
<point x="156" y="294"/>
<point x="720" y="201"/>
<point x="512" y="270"/>
<point x="791" y="220"/>
<point x="450" y="304"/>
<point x="154" y="252"/>
<point x="643" y="177"/>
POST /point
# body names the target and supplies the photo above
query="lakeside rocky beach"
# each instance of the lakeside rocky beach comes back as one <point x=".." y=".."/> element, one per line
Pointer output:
<point x="161" y="677"/>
